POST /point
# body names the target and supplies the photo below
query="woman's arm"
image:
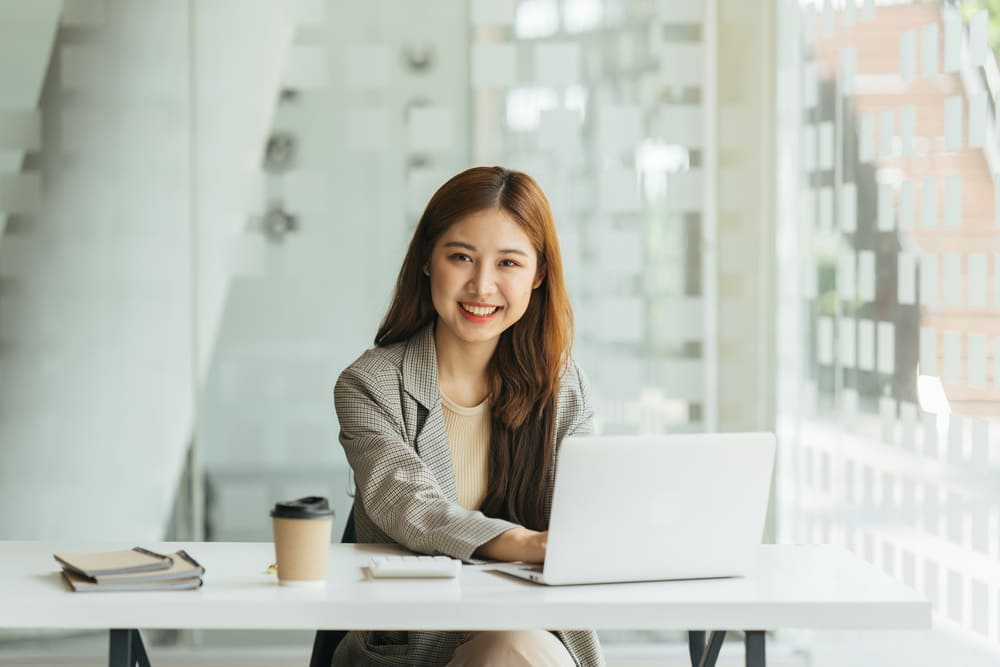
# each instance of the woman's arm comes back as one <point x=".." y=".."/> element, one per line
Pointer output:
<point x="516" y="544"/>
<point x="398" y="491"/>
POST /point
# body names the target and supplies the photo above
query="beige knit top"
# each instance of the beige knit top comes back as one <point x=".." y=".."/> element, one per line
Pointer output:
<point x="468" y="439"/>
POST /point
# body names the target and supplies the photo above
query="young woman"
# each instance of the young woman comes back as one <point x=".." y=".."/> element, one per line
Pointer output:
<point x="452" y="423"/>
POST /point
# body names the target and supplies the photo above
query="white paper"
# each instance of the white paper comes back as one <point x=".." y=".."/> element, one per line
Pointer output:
<point x="929" y="50"/>
<point x="953" y="123"/>
<point x="886" y="134"/>
<point x="866" y="345"/>
<point x="977" y="120"/>
<point x="928" y="280"/>
<point x="557" y="63"/>
<point x="977" y="361"/>
<point x="906" y="279"/>
<point x="824" y="341"/>
<point x="907" y="205"/>
<point x="848" y="66"/>
<point x="826" y="143"/>
<point x="367" y="66"/>
<point x="866" y="276"/>
<point x="492" y="12"/>
<point x="847" y="344"/>
<point x="494" y="65"/>
<point x="619" y="191"/>
<point x="952" y="341"/>
<point x="977" y="38"/>
<point x="928" y="202"/>
<point x="907" y="127"/>
<point x="619" y="127"/>
<point x="846" y="281"/>
<point x="866" y="138"/>
<point x="431" y="128"/>
<point x="886" y="348"/>
<point x="826" y="207"/>
<point x="952" y="201"/>
<point x="848" y="207"/>
<point x="886" y="205"/>
<point x="928" y="351"/>
<point x="952" y="278"/>
<point x="952" y="40"/>
<point x="908" y="55"/>
<point x="977" y="280"/>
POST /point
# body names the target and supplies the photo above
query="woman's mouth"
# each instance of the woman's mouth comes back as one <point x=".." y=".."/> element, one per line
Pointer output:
<point x="478" y="312"/>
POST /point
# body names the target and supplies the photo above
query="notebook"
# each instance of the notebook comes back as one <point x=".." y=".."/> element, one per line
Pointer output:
<point x="655" y="507"/>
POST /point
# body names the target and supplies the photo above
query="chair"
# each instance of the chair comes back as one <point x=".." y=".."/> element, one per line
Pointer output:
<point x="326" y="641"/>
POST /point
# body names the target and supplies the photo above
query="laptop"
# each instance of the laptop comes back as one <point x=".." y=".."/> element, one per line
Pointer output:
<point x="655" y="507"/>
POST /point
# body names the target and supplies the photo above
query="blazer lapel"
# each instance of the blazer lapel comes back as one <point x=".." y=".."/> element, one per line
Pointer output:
<point x="420" y="380"/>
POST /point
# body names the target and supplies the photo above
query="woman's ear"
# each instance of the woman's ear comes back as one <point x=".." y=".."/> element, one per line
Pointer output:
<point x="427" y="269"/>
<point x="539" y="279"/>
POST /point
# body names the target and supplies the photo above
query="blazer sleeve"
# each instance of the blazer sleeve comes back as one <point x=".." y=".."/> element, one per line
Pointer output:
<point x="398" y="491"/>
<point x="581" y="408"/>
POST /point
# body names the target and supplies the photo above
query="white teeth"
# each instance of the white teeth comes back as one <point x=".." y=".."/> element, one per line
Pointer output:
<point x="479" y="310"/>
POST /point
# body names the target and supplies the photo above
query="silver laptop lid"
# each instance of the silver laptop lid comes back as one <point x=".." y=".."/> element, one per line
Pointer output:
<point x="636" y="508"/>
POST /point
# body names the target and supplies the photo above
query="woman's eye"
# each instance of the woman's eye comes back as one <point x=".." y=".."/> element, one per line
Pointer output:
<point x="461" y="257"/>
<point x="508" y="263"/>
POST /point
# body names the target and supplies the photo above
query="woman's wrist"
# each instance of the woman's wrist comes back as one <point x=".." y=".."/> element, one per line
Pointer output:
<point x="515" y="544"/>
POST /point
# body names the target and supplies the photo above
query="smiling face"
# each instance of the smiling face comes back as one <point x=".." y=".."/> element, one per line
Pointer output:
<point x="482" y="272"/>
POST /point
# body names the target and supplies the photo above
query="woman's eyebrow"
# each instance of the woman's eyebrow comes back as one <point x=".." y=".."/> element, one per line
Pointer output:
<point x="469" y="246"/>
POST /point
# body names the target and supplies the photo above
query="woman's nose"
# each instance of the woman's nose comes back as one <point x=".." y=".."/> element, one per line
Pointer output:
<point x="483" y="280"/>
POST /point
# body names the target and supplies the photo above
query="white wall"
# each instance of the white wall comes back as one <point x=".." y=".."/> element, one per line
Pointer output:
<point x="98" y="359"/>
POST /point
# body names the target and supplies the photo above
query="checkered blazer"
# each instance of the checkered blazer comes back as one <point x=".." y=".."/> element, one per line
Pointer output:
<point x="392" y="429"/>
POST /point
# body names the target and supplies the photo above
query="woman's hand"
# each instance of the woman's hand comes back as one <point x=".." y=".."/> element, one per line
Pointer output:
<point x="516" y="544"/>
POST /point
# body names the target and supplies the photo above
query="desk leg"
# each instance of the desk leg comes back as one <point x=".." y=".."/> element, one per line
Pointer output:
<point x="696" y="646"/>
<point x="711" y="654"/>
<point x="126" y="649"/>
<point x="754" y="644"/>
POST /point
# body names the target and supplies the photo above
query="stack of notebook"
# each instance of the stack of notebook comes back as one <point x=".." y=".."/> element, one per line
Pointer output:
<point x="135" y="569"/>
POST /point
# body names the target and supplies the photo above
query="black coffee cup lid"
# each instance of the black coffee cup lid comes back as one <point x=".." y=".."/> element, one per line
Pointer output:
<point x="310" y="507"/>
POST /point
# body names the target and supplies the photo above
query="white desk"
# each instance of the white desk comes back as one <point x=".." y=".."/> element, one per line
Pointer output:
<point x="791" y="587"/>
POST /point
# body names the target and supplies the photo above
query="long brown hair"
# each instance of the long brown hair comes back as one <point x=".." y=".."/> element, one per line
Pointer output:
<point x="529" y="359"/>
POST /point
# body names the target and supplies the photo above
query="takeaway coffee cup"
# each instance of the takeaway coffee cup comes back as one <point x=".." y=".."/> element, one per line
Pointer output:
<point x="302" y="540"/>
